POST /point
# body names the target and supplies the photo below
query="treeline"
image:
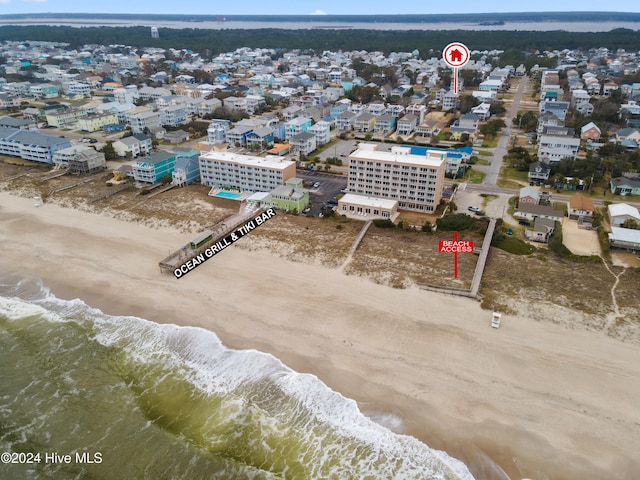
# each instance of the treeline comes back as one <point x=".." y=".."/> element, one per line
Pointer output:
<point x="429" y="43"/>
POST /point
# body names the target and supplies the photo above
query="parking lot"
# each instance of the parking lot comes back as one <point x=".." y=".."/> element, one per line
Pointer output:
<point x="330" y="186"/>
<point x="492" y="206"/>
<point x="341" y="150"/>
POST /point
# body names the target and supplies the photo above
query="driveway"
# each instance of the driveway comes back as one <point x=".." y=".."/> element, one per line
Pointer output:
<point x="579" y="240"/>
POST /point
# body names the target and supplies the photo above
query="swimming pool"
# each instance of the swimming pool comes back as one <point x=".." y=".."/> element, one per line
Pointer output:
<point x="231" y="195"/>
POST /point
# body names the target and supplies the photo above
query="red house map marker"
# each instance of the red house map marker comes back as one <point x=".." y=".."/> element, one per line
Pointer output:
<point x="455" y="55"/>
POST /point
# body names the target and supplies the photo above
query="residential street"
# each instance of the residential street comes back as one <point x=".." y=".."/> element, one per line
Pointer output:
<point x="493" y="171"/>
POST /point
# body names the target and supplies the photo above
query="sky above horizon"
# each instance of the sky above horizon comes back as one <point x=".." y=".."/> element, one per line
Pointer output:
<point x="319" y="7"/>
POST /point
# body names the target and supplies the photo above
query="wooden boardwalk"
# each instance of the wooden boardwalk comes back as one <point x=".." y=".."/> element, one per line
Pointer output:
<point x="355" y="243"/>
<point x="482" y="259"/>
<point x="220" y="231"/>
<point x="111" y="192"/>
<point x="477" y="274"/>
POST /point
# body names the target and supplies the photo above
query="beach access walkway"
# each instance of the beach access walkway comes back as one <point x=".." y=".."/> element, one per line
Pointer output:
<point x="477" y="274"/>
<point x="355" y="244"/>
<point x="220" y="231"/>
<point x="482" y="259"/>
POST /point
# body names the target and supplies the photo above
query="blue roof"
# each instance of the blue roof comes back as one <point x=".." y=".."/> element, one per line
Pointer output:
<point x="34" y="138"/>
<point x="457" y="153"/>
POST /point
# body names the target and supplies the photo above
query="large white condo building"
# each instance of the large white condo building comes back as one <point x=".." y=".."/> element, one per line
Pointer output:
<point x="245" y="172"/>
<point x="413" y="179"/>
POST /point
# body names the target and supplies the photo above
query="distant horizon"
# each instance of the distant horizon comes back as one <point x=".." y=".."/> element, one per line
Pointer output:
<point x="324" y="15"/>
<point x="318" y="7"/>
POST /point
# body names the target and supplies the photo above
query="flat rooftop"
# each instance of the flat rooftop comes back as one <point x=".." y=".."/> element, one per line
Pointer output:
<point x="270" y="161"/>
<point x="367" y="201"/>
<point x="400" y="155"/>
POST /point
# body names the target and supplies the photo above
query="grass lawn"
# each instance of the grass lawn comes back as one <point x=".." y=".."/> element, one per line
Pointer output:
<point x="484" y="153"/>
<point x="506" y="183"/>
<point x="513" y="174"/>
<point x="510" y="244"/>
<point x="475" y="176"/>
<point x="482" y="161"/>
<point x="414" y="218"/>
<point x="490" y="142"/>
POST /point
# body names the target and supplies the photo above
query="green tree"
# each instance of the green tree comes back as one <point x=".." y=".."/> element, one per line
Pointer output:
<point x="497" y="107"/>
<point x="492" y="127"/>
<point x="631" y="223"/>
<point x="527" y="121"/>
<point x="467" y="102"/>
<point x="109" y="151"/>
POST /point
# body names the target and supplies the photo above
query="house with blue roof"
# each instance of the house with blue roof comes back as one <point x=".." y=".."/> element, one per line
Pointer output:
<point x="30" y="145"/>
<point x="261" y="137"/>
<point x="297" y="125"/>
<point x="153" y="168"/>
<point x="338" y="109"/>
<point x="187" y="168"/>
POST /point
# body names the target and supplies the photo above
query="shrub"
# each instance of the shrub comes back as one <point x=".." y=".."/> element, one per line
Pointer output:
<point x="511" y="244"/>
<point x="456" y="222"/>
<point x="384" y="223"/>
<point x="328" y="212"/>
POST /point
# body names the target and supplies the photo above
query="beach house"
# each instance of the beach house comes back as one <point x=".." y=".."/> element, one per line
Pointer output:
<point x="290" y="197"/>
<point x="187" y="168"/>
<point x="153" y="168"/>
<point x="619" y="213"/>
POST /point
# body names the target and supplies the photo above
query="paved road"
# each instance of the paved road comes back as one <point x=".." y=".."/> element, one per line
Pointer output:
<point x="555" y="197"/>
<point x="500" y="151"/>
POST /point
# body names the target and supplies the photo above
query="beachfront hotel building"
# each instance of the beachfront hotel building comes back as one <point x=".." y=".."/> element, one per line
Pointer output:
<point x="415" y="181"/>
<point x="245" y="173"/>
<point x="363" y="207"/>
<point x="30" y="145"/>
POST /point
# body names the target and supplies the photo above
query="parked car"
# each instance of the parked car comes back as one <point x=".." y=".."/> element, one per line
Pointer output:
<point x="344" y="190"/>
<point x="474" y="209"/>
<point x="316" y="185"/>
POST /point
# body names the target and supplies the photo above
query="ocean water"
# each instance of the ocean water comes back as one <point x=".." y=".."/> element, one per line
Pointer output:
<point x="319" y="21"/>
<point x="143" y="400"/>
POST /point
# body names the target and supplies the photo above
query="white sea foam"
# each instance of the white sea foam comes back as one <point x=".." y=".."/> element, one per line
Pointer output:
<point x="14" y="309"/>
<point x="200" y="356"/>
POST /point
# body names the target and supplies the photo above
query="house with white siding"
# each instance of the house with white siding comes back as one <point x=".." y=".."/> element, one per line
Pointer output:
<point x="30" y="145"/>
<point x="553" y="148"/>
<point x="322" y="131"/>
<point x="407" y="124"/>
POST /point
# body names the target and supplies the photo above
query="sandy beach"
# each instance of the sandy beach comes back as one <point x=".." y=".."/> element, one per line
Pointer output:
<point x="535" y="400"/>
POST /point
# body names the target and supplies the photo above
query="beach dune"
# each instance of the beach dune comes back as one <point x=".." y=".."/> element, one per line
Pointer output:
<point x="527" y="400"/>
